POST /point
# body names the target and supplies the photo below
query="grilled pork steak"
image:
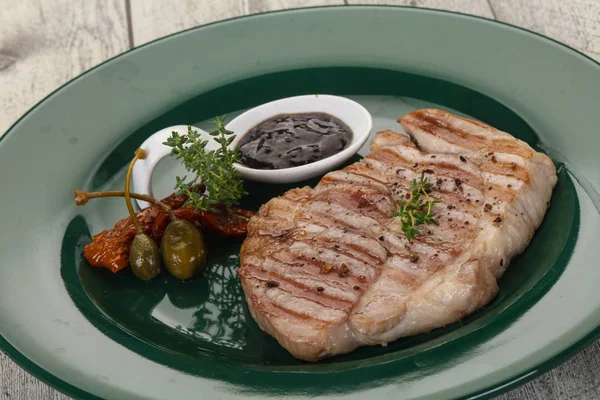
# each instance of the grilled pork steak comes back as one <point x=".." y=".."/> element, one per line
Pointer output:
<point x="328" y="269"/>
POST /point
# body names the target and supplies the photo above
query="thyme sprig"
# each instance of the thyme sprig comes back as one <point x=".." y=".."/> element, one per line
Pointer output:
<point x="416" y="211"/>
<point x="213" y="168"/>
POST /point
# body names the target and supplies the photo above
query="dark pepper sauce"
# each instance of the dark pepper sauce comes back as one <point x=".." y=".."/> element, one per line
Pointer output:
<point x="290" y="140"/>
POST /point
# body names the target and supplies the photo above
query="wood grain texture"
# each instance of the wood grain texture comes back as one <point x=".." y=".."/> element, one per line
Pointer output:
<point x="474" y="7"/>
<point x="576" y="379"/>
<point x="574" y="22"/>
<point x="16" y="384"/>
<point x="152" y="19"/>
<point x="44" y="44"/>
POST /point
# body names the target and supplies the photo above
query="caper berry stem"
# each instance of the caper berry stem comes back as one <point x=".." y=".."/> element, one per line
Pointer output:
<point x="82" y="197"/>
<point x="139" y="155"/>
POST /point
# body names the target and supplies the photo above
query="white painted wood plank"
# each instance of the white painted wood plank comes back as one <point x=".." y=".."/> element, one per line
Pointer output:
<point x="43" y="44"/>
<point x="573" y="22"/>
<point x="152" y="19"/>
<point x="156" y="18"/>
<point x="474" y="7"/>
<point x="16" y="384"/>
<point x="254" y="6"/>
<point x="576" y="379"/>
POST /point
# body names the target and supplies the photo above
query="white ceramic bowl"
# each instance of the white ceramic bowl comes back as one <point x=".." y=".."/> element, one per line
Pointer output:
<point x="355" y="116"/>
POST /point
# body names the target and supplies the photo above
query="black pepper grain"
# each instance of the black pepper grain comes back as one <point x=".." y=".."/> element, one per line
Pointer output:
<point x="414" y="258"/>
<point x="463" y="159"/>
<point x="272" y="284"/>
<point x="320" y="289"/>
<point x="487" y="207"/>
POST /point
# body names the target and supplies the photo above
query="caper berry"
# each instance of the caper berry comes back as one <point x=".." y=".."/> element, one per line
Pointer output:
<point x="144" y="257"/>
<point x="183" y="249"/>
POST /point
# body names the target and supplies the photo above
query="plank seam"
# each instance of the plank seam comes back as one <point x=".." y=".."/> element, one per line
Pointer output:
<point x="492" y="9"/>
<point x="129" y="23"/>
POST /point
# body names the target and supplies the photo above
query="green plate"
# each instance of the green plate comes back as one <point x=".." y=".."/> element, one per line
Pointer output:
<point x="93" y="334"/>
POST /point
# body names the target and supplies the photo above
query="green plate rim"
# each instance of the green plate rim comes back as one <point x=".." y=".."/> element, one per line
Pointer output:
<point x="59" y="384"/>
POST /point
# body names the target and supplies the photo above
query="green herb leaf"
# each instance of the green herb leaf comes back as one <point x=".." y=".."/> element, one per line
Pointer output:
<point x="415" y="212"/>
<point x="213" y="168"/>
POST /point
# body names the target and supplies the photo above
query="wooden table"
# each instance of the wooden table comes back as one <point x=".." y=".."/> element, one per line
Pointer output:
<point x="43" y="44"/>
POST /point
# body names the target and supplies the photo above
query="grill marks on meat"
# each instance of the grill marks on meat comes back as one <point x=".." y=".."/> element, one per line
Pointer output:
<point x="346" y="275"/>
<point x="518" y="181"/>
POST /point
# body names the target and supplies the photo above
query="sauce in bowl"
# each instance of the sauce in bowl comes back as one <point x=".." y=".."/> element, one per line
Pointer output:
<point x="290" y="140"/>
<point x="283" y="141"/>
